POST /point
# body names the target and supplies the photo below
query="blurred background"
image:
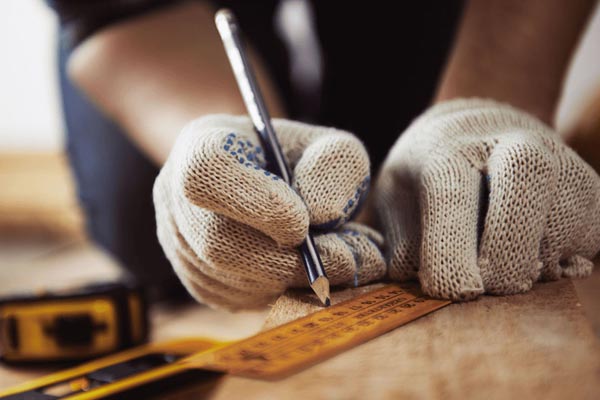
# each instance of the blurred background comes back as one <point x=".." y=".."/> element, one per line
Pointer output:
<point x="43" y="244"/>
<point x="41" y="227"/>
<point x="42" y="238"/>
<point x="37" y="194"/>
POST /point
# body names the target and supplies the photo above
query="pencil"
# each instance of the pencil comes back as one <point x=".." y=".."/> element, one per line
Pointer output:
<point x="231" y="36"/>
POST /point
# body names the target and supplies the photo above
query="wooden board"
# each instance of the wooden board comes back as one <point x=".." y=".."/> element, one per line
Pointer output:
<point x="535" y="345"/>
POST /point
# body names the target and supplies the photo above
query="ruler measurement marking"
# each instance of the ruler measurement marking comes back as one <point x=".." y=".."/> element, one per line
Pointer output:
<point x="247" y="354"/>
<point x="310" y="339"/>
<point x="312" y="328"/>
<point x="343" y="325"/>
<point x="325" y="347"/>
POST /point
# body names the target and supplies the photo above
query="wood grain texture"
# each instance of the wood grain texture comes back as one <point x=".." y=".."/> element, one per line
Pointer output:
<point x="535" y="345"/>
<point x="38" y="196"/>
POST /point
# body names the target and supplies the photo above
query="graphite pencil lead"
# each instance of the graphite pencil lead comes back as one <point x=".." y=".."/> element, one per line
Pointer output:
<point x="321" y="288"/>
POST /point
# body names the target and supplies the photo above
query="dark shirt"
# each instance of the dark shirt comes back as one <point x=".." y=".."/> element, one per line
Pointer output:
<point x="382" y="59"/>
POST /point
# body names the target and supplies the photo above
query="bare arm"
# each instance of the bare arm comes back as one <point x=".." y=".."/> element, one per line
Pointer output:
<point x="515" y="51"/>
<point x="154" y="73"/>
<point x="584" y="137"/>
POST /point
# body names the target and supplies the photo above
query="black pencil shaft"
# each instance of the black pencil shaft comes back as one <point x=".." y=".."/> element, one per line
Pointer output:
<point x="261" y="119"/>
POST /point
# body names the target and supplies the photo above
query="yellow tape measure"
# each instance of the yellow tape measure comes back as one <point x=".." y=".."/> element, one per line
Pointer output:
<point x="272" y="354"/>
<point x="288" y="348"/>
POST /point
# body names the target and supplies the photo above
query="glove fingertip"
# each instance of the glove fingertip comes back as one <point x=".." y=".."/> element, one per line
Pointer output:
<point x="351" y="257"/>
<point x="465" y="288"/>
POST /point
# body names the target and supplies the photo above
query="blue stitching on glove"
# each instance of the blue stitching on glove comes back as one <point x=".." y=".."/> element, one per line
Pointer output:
<point x="350" y="232"/>
<point x="247" y="154"/>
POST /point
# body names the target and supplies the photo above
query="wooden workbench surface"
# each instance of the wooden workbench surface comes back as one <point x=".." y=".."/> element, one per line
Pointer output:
<point x="535" y="345"/>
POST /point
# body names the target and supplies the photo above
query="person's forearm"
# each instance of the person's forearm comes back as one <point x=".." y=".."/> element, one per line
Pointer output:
<point x="154" y="73"/>
<point x="514" y="51"/>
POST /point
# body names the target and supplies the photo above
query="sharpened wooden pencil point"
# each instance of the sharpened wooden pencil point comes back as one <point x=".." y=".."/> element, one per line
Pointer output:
<point x="321" y="288"/>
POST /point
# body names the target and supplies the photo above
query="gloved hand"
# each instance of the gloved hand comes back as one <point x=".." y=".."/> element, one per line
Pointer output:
<point x="543" y="214"/>
<point x="231" y="229"/>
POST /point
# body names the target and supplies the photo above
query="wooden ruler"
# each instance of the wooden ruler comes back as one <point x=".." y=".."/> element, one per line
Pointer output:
<point x="288" y="348"/>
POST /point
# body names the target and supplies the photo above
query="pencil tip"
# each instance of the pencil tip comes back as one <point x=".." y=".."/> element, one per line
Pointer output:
<point x="321" y="288"/>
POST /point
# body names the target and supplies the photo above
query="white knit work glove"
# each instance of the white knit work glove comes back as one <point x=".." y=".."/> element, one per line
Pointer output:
<point x="543" y="215"/>
<point x="231" y="229"/>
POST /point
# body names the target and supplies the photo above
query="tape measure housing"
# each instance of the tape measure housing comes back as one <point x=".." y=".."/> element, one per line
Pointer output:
<point x="78" y="324"/>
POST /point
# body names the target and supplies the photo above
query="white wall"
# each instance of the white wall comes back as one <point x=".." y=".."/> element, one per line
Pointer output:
<point x="30" y="115"/>
<point x="29" y="103"/>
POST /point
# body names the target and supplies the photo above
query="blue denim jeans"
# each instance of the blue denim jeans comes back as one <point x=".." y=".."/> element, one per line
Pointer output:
<point x="114" y="182"/>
